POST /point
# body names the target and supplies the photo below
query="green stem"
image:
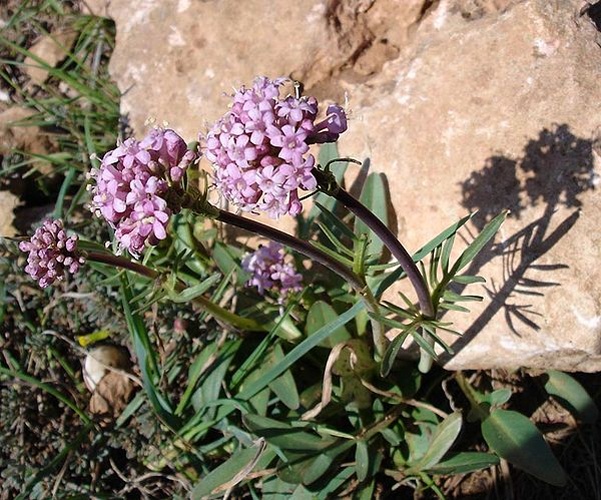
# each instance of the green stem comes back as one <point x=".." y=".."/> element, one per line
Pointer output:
<point x="209" y="306"/>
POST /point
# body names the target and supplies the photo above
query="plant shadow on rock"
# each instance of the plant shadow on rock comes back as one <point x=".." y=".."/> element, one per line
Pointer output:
<point x="554" y="171"/>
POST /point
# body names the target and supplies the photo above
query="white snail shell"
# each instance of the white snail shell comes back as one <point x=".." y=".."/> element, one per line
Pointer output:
<point x="97" y="360"/>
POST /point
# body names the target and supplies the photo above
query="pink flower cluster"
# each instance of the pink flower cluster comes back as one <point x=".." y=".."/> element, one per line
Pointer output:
<point x="270" y="271"/>
<point x="260" y="148"/>
<point x="51" y="253"/>
<point x="132" y="186"/>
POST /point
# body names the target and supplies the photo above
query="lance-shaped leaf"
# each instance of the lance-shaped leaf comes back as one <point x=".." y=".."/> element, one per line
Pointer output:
<point x="461" y="463"/>
<point x="375" y="198"/>
<point x="571" y="395"/>
<point x="445" y="435"/>
<point x="516" y="439"/>
<point x="230" y="472"/>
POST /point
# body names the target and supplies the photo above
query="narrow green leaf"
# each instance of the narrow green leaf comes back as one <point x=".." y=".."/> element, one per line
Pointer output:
<point x="498" y="397"/>
<point x="212" y="385"/>
<point x="276" y="489"/>
<point x="336" y="256"/>
<point x="361" y="460"/>
<point x="423" y="343"/>
<point x="227" y="259"/>
<point x="438" y="240"/>
<point x="299" y="493"/>
<point x="194" y="373"/>
<point x="334" y="222"/>
<point x="284" y="436"/>
<point x="192" y="292"/>
<point x="192" y="429"/>
<point x="382" y="282"/>
<point x="445" y="435"/>
<point x="60" y="199"/>
<point x="317" y="468"/>
<point x="447" y="247"/>
<point x="260" y="401"/>
<point x="365" y="492"/>
<point x="320" y="314"/>
<point x="145" y="354"/>
<point x="516" y="439"/>
<point x="450" y="296"/>
<point x="432" y="276"/>
<point x="393" y="349"/>
<point x="375" y="197"/>
<point x="326" y="492"/>
<point x="337" y="244"/>
<point x="284" y="387"/>
<point x="228" y="472"/>
<point x="283" y="325"/>
<point x="466" y="279"/>
<point x="453" y="307"/>
<point x="314" y="474"/>
<point x="405" y="313"/>
<point x="430" y="329"/>
<point x="571" y="395"/>
<point x="479" y="242"/>
<point x="463" y="462"/>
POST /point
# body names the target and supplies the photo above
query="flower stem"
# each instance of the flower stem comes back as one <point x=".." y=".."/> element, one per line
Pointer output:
<point x="308" y="250"/>
<point x="209" y="306"/>
<point x="389" y="240"/>
<point x="296" y="244"/>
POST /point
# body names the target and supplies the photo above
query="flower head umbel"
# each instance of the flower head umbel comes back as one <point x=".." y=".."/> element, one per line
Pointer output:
<point x="260" y="148"/>
<point x="133" y="185"/>
<point x="270" y="271"/>
<point x="51" y="253"/>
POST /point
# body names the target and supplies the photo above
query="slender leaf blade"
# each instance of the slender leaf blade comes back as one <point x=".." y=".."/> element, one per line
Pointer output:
<point x="375" y="197"/>
<point x="479" y="242"/>
<point x="239" y="461"/>
<point x="445" y="435"/>
<point x="464" y="462"/>
<point x="320" y="314"/>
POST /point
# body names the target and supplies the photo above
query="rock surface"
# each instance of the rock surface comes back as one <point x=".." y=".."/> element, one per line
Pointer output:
<point x="46" y="53"/>
<point x="463" y="104"/>
<point x="8" y="203"/>
<point x="16" y="137"/>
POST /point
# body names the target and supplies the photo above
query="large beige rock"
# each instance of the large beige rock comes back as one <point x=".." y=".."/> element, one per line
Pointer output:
<point x="490" y="114"/>
<point x="15" y="134"/>
<point x="463" y="104"/>
<point x="175" y="59"/>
